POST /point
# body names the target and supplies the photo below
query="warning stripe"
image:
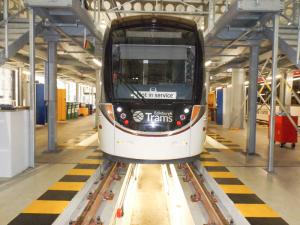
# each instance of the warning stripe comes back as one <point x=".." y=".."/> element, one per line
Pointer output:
<point x="46" y="209"/>
<point x="231" y="146"/>
<point x="255" y="210"/>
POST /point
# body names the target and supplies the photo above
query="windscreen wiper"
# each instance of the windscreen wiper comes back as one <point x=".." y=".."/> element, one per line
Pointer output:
<point x="133" y="90"/>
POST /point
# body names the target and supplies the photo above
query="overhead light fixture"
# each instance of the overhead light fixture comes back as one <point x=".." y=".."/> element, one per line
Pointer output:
<point x="97" y="62"/>
<point x="246" y="83"/>
<point x="219" y="88"/>
<point x="208" y="63"/>
<point x="289" y="23"/>
<point x="229" y="70"/>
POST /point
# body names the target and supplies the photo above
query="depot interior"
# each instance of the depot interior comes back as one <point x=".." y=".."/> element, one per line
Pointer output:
<point x="50" y="65"/>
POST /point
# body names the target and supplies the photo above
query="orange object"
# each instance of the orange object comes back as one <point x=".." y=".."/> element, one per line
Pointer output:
<point x="61" y="105"/>
<point x="83" y="111"/>
<point x="211" y="100"/>
<point x="119" y="213"/>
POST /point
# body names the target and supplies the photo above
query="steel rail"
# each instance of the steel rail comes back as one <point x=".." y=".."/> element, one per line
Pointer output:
<point x="214" y="213"/>
<point x="123" y="192"/>
<point x="88" y="216"/>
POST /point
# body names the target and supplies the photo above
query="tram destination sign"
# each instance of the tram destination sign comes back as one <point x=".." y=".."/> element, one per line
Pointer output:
<point x="156" y="95"/>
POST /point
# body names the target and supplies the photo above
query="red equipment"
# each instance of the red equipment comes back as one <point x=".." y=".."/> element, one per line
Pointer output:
<point x="285" y="132"/>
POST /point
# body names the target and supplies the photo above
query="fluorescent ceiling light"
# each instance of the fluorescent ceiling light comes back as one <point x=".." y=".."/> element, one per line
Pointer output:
<point x="208" y="63"/>
<point x="97" y="62"/>
<point x="246" y="82"/>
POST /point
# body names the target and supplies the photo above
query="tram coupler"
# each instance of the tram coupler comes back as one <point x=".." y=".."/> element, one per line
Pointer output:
<point x="108" y="195"/>
<point x="196" y="197"/>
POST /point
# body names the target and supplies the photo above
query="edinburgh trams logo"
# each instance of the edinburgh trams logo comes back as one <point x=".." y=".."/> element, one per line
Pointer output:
<point x="153" y="116"/>
<point x="138" y="116"/>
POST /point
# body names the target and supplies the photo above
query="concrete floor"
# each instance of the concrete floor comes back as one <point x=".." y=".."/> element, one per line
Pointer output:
<point x="16" y="193"/>
<point x="280" y="190"/>
<point x="150" y="207"/>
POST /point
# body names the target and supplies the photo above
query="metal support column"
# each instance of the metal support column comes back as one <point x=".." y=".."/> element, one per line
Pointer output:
<point x="237" y="98"/>
<point x="282" y="88"/>
<point x="5" y="18"/>
<point x="52" y="38"/>
<point x="211" y="14"/>
<point x="289" y="77"/>
<point x="252" y="98"/>
<point x="273" y="94"/>
<point x="77" y="92"/>
<point x="32" y="87"/>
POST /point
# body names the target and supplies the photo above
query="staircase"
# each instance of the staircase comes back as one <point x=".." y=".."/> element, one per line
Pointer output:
<point x="17" y="35"/>
<point x="289" y="42"/>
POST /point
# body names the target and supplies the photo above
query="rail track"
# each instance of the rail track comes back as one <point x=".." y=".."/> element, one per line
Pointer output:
<point x="102" y="193"/>
<point x="204" y="196"/>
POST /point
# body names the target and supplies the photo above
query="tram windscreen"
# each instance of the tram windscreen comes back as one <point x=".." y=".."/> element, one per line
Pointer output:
<point x="153" y="64"/>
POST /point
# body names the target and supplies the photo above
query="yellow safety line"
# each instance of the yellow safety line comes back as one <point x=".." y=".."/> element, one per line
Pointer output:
<point x="236" y="189"/>
<point x="222" y="174"/>
<point x="46" y="207"/>
<point x="96" y="154"/>
<point x="67" y="186"/>
<point x="206" y="156"/>
<point x="256" y="210"/>
<point x="91" y="161"/>
<point x="212" y="164"/>
<point x="81" y="172"/>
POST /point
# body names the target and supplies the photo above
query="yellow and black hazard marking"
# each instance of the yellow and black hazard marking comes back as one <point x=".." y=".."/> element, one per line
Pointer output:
<point x="231" y="146"/>
<point x="255" y="210"/>
<point x="46" y="209"/>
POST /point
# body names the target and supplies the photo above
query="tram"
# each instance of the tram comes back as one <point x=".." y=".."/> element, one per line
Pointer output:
<point x="153" y="97"/>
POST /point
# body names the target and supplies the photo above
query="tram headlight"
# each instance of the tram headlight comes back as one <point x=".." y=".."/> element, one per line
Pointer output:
<point x="108" y="110"/>
<point x="119" y="109"/>
<point x="186" y="110"/>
